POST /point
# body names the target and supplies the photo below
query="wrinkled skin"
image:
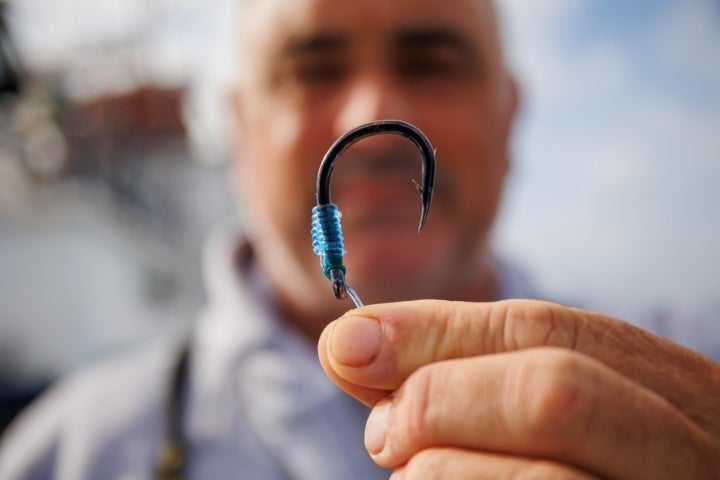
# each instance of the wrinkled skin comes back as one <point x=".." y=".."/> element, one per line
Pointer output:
<point x="524" y="389"/>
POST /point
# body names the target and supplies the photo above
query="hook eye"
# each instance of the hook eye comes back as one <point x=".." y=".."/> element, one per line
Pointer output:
<point x="337" y="277"/>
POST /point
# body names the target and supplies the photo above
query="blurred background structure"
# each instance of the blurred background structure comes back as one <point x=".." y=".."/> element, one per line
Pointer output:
<point x="112" y="149"/>
<point x="104" y="201"/>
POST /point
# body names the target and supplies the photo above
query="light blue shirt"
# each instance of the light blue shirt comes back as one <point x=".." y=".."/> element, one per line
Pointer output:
<point x="259" y="406"/>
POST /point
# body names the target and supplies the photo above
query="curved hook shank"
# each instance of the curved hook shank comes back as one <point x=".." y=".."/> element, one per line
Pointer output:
<point x="378" y="127"/>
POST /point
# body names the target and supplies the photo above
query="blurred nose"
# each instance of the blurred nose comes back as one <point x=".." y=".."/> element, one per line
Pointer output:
<point x="374" y="96"/>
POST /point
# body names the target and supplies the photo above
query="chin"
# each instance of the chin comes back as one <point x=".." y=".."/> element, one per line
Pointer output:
<point x="396" y="290"/>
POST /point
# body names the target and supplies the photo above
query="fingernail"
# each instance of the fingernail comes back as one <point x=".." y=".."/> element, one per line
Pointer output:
<point x="376" y="427"/>
<point x="355" y="340"/>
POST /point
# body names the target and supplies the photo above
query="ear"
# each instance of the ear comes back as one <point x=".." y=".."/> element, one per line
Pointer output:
<point x="511" y="104"/>
<point x="237" y="124"/>
<point x="238" y="121"/>
<point x="512" y="101"/>
<point x="237" y="146"/>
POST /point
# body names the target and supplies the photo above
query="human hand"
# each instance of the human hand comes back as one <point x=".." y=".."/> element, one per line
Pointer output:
<point x="524" y="389"/>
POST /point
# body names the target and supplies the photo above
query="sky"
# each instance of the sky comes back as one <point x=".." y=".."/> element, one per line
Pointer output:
<point x="613" y="196"/>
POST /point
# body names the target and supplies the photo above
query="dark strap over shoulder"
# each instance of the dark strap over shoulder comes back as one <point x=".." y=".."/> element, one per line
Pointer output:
<point x="172" y="455"/>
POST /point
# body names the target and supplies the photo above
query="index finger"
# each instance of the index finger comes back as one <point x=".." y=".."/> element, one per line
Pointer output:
<point x="370" y="351"/>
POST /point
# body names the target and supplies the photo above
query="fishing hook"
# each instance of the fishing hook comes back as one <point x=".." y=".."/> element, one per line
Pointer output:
<point x="326" y="231"/>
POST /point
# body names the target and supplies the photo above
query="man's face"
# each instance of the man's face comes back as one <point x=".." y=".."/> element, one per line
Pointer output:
<point x="313" y="69"/>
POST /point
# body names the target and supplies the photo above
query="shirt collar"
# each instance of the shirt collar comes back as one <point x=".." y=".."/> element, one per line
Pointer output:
<point x="241" y="324"/>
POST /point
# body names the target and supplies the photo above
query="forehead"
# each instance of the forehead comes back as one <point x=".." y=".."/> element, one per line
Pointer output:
<point x="270" y="24"/>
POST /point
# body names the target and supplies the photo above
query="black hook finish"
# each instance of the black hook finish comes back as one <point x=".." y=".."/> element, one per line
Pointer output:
<point x="378" y="127"/>
<point x="327" y="236"/>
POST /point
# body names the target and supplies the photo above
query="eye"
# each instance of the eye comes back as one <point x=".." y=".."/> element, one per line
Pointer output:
<point x="430" y="65"/>
<point x="320" y="72"/>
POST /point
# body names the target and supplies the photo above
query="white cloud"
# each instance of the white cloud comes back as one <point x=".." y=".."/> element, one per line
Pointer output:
<point x="530" y="31"/>
<point x="687" y="35"/>
<point x="618" y="164"/>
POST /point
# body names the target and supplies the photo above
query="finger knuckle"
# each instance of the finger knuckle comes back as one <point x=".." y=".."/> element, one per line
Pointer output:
<point x="558" y="402"/>
<point x="430" y="464"/>
<point x="423" y="415"/>
<point x="541" y="470"/>
<point x="536" y="323"/>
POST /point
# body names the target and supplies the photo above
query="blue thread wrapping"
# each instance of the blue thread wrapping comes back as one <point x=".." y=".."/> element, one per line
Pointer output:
<point x="327" y="237"/>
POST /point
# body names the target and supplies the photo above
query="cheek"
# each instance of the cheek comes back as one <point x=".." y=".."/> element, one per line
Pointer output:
<point x="472" y="164"/>
<point x="283" y="155"/>
<point x="471" y="161"/>
<point x="267" y="170"/>
<point x="479" y="187"/>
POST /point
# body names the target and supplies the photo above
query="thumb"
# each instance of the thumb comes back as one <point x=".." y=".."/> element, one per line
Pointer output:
<point x="370" y="351"/>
